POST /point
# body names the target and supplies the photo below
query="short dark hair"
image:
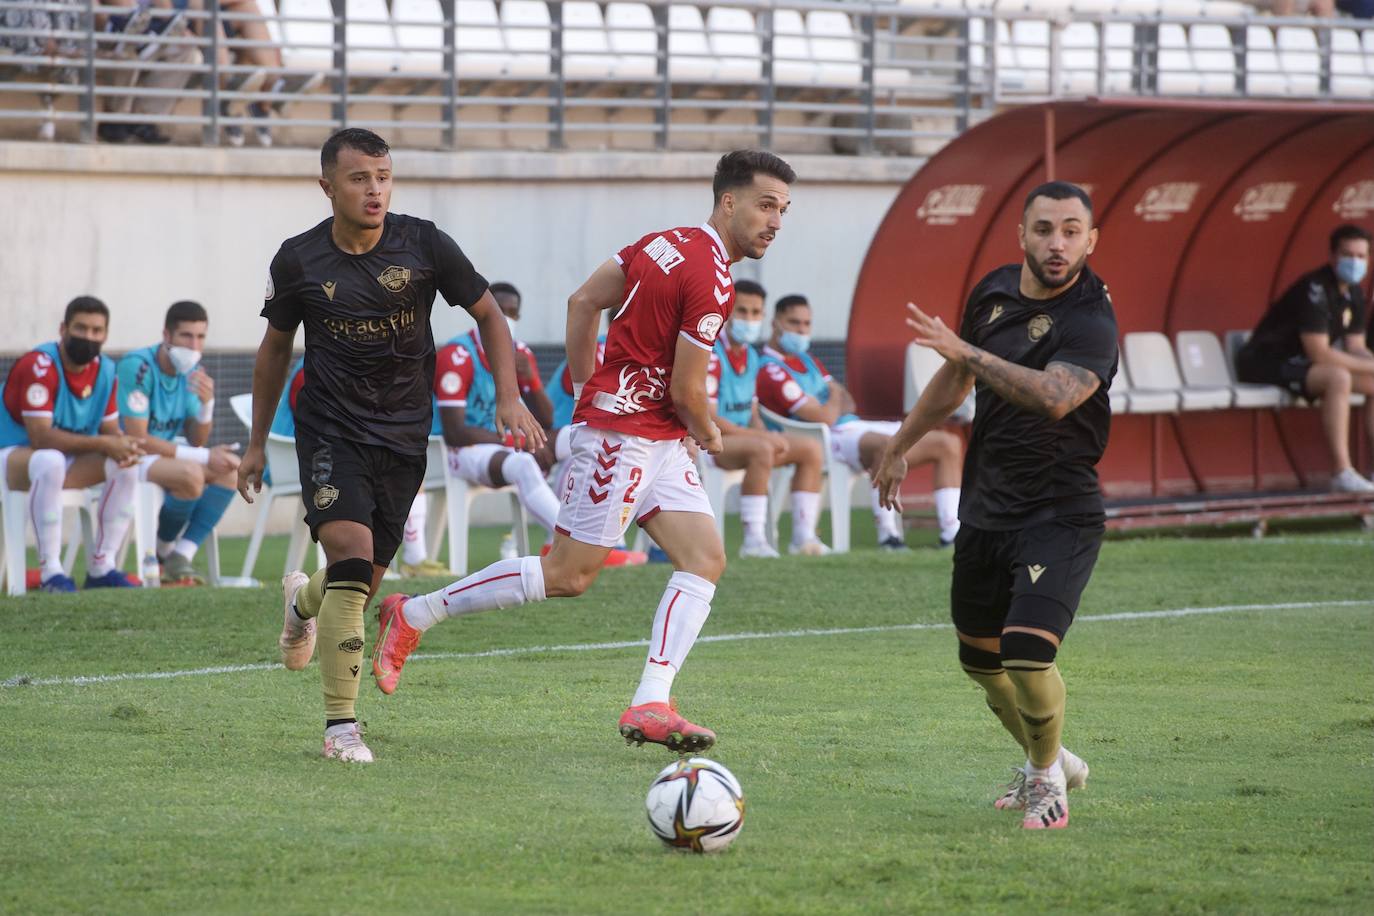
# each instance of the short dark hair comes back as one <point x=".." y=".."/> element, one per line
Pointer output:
<point x="737" y="169"/>
<point x="750" y="288"/>
<point x="1058" y="190"/>
<point x="789" y="302"/>
<point x="501" y="286"/>
<point x="185" y="310"/>
<point x="85" y="305"/>
<point x="1344" y="232"/>
<point x="358" y="138"/>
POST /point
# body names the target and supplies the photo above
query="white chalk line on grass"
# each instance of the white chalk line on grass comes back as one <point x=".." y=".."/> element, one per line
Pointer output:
<point x="90" y="679"/>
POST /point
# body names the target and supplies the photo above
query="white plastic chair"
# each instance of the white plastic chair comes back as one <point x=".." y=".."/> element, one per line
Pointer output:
<point x="634" y="39"/>
<point x="839" y="480"/>
<point x="1152" y="368"/>
<point x="14" y="522"/>
<point x="689" y="56"/>
<point x="307" y="45"/>
<point x="459" y="496"/>
<point x="1352" y="71"/>
<point x="147" y="506"/>
<point x="586" y="49"/>
<point x="286" y="484"/>
<point x="921" y="365"/>
<point x="527" y="29"/>
<point x="1203" y="365"/>
<point x="835" y="47"/>
<point x="793" y="60"/>
<point x="371" y="39"/>
<point x="1177" y="74"/>
<point x="1299" y="59"/>
<point x="1262" y="72"/>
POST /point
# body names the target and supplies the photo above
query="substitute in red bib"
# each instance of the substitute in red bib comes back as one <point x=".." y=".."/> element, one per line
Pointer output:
<point x="630" y="452"/>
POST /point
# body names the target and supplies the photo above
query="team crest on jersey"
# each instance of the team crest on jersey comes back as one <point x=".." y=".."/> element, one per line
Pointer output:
<point x="1039" y="326"/>
<point x="450" y="383"/>
<point x="325" y="496"/>
<point x="36" y="395"/>
<point x="137" y="401"/>
<point x="791" y="390"/>
<point x="709" y="326"/>
<point x="271" y="289"/>
<point x="395" y="278"/>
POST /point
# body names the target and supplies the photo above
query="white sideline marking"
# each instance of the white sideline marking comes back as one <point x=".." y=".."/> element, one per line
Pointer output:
<point x="88" y="679"/>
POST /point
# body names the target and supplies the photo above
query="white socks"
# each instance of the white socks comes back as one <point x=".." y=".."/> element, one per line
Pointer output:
<point x="413" y="547"/>
<point x="47" y="472"/>
<point x="1054" y="771"/>
<point x="503" y="584"/>
<point x="753" y="515"/>
<point x="186" y="548"/>
<point x="806" y="512"/>
<point x="522" y="470"/>
<point x="682" y="611"/>
<point x="888" y="521"/>
<point x="116" y="511"/>
<point x="947" y="512"/>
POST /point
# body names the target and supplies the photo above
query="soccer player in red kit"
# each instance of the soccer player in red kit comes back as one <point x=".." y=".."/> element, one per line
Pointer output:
<point x="630" y="455"/>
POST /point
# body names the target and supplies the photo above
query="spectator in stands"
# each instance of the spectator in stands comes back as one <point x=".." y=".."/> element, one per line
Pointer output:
<point x="43" y="26"/>
<point x="144" y="30"/>
<point x="415" y="559"/>
<point x="794" y="383"/>
<point x="1319" y="8"/>
<point x="264" y="56"/>
<point x="164" y="395"/>
<point x="731" y="384"/>
<point x="59" y="429"/>
<point x="1294" y="347"/>
<point x="1359" y="9"/>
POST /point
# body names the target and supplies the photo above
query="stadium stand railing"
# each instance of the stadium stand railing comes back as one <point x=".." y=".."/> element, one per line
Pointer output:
<point x="827" y="77"/>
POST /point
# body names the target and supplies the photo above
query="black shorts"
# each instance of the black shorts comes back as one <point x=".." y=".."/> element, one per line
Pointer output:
<point x="369" y="484"/>
<point x="1289" y="374"/>
<point x="1029" y="577"/>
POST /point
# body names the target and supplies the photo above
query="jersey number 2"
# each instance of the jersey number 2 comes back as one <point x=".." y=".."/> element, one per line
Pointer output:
<point x="635" y="475"/>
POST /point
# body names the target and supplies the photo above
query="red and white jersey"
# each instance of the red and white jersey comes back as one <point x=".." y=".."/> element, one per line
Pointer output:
<point x="778" y="390"/>
<point x="454" y="370"/>
<point x="677" y="286"/>
<point x="31" y="389"/>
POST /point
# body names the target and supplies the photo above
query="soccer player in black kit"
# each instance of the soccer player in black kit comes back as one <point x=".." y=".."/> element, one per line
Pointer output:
<point x="1039" y="341"/>
<point x="363" y="283"/>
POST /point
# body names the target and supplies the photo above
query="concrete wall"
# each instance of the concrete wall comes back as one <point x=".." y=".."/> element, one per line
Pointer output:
<point x="143" y="227"/>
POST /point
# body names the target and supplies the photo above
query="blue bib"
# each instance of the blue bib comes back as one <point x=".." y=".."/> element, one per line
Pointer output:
<point x="812" y="381"/>
<point x="481" y="409"/>
<point x="71" y="413"/>
<point x="735" y="397"/>
<point x="148" y="393"/>
<point x="563" y="403"/>
<point x="284" y="421"/>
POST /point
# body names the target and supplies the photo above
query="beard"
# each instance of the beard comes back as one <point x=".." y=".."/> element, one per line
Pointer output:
<point x="1038" y="269"/>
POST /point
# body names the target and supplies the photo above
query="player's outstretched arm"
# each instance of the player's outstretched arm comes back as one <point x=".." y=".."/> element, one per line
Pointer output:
<point x="269" y="378"/>
<point x="512" y="417"/>
<point x="1053" y="392"/>
<point x="946" y="391"/>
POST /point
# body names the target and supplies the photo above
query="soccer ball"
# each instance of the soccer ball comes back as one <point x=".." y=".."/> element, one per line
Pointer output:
<point x="696" y="804"/>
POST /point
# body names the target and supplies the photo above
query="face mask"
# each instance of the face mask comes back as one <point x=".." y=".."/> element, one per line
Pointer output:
<point x="1351" y="270"/>
<point x="80" y="350"/>
<point x="746" y="332"/>
<point x="184" y="359"/>
<point x="793" y="342"/>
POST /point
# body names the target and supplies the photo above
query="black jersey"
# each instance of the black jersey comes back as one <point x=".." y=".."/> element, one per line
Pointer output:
<point x="1023" y="468"/>
<point x="1312" y="305"/>
<point x="369" y="352"/>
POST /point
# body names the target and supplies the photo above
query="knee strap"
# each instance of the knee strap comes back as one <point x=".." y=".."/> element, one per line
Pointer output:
<point x="1027" y="651"/>
<point x="979" y="661"/>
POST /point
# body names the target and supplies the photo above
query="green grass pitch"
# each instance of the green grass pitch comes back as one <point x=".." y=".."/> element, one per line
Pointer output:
<point x="1232" y="752"/>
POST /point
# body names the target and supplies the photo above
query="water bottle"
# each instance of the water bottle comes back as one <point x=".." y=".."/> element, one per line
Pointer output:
<point x="151" y="571"/>
<point x="508" y="551"/>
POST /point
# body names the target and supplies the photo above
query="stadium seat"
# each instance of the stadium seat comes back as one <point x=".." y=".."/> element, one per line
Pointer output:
<point x="1352" y="70"/>
<point x="793" y="61"/>
<point x="1151" y="366"/>
<point x="480" y="49"/>
<point x="419" y="26"/>
<point x="459" y="495"/>
<point x="527" y="29"/>
<point x="734" y="40"/>
<point x="1214" y="57"/>
<point x="1030" y="53"/>
<point x="371" y="39"/>
<point x="1299" y="58"/>
<point x="586" y="49"/>
<point x="921" y="365"/>
<point x="839" y="480"/>
<point x="1233" y="341"/>
<point x="1203" y="365"/>
<point x="14" y="524"/>
<point x="307" y="45"/>
<point x="285" y="483"/>
<point x="835" y="47"/>
<point x="1263" y="76"/>
<point x="1177" y="75"/>
<point x="634" y="39"/>
<point x="689" y="55"/>
<point x="1117" y="399"/>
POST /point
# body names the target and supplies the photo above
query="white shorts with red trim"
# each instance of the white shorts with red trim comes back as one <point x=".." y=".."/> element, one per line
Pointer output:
<point x="844" y="439"/>
<point x="614" y="478"/>
<point x="473" y="462"/>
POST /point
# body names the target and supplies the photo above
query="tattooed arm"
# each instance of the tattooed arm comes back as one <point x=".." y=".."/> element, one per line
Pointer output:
<point x="1053" y="393"/>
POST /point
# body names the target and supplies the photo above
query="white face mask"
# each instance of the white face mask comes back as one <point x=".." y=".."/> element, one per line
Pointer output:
<point x="184" y="359"/>
<point x="746" y="332"/>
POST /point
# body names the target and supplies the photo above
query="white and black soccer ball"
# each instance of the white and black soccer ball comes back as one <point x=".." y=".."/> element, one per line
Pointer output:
<point x="696" y="804"/>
